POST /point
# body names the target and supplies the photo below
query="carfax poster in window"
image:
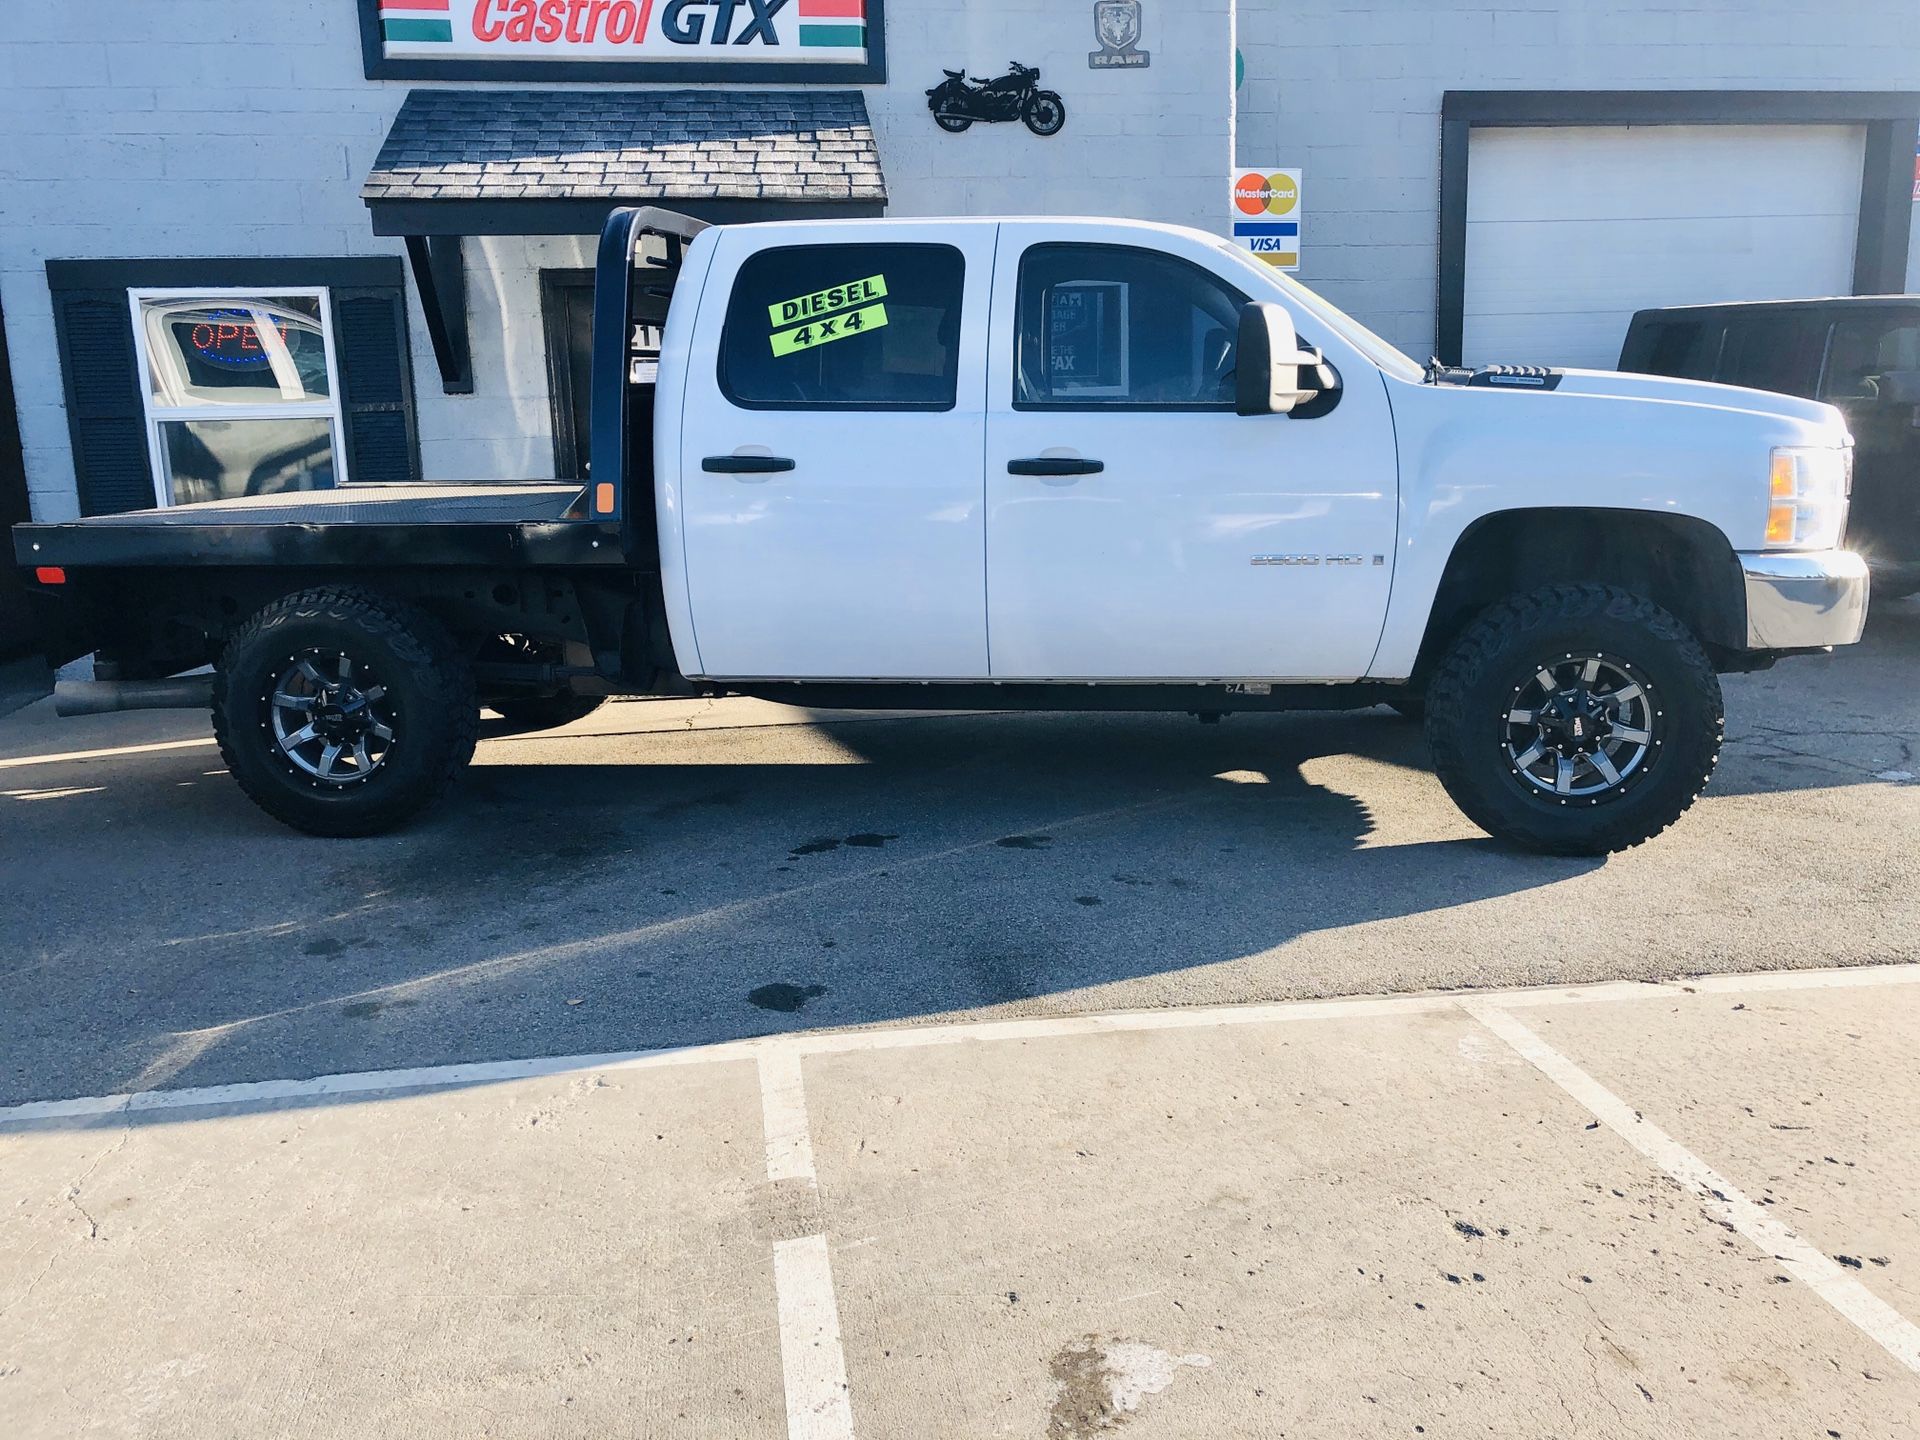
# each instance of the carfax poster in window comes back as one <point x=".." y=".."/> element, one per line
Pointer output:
<point x="1267" y="214"/>
<point x="1086" y="338"/>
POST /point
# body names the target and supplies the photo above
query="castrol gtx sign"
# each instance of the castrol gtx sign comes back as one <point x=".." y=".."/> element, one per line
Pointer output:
<point x="682" y="33"/>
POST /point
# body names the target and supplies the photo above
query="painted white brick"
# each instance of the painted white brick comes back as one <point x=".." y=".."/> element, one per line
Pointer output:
<point x="1319" y="74"/>
<point x="55" y="507"/>
<point x="208" y="127"/>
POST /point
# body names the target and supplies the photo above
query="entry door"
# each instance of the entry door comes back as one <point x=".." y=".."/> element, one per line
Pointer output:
<point x="830" y="455"/>
<point x="566" y="298"/>
<point x="1136" y="527"/>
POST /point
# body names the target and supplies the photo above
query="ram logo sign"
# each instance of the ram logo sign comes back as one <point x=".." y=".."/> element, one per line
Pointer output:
<point x="424" y="37"/>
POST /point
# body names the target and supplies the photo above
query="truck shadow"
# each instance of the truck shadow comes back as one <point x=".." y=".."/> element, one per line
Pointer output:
<point x="897" y="870"/>
<point x="727" y="884"/>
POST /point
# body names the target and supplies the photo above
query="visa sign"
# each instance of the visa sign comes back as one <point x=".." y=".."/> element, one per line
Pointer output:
<point x="1266" y="212"/>
<point x="733" y="31"/>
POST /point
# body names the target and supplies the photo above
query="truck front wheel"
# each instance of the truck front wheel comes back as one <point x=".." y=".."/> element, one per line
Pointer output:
<point x="1575" y="720"/>
<point x="342" y="712"/>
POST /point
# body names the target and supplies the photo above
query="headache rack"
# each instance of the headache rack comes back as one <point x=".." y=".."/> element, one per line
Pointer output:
<point x="633" y="286"/>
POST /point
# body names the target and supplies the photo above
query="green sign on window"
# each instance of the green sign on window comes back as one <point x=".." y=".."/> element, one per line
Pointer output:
<point x="838" y="312"/>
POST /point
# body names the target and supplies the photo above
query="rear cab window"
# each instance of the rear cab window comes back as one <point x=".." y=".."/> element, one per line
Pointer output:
<point x="1777" y="350"/>
<point x="844" y="327"/>
<point x="1684" y="348"/>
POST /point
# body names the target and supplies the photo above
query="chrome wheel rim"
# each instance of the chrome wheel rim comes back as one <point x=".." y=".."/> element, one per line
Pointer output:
<point x="332" y="721"/>
<point x="1579" y="728"/>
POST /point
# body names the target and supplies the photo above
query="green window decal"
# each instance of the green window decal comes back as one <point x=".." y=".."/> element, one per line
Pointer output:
<point x="836" y="313"/>
<point x="834" y="327"/>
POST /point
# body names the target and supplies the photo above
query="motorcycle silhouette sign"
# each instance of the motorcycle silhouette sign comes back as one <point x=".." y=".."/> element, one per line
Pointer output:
<point x="958" y="101"/>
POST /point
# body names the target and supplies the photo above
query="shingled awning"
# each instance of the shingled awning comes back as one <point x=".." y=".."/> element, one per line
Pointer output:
<point x="555" y="162"/>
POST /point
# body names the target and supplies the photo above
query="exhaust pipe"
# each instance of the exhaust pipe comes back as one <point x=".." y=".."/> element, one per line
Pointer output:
<point x="103" y="697"/>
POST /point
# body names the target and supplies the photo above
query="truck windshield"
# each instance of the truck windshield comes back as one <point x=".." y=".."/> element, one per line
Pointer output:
<point x="1387" y="357"/>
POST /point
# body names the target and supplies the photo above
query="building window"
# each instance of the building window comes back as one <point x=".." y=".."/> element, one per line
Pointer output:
<point x="192" y="379"/>
<point x="240" y="392"/>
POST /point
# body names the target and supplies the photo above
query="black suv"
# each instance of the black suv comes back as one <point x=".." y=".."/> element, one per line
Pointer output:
<point x="1861" y="353"/>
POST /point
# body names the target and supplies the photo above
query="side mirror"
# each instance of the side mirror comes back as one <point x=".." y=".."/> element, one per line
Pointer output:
<point x="1272" y="373"/>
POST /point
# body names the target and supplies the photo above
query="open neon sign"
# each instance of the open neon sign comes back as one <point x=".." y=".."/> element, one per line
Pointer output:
<point x="230" y="338"/>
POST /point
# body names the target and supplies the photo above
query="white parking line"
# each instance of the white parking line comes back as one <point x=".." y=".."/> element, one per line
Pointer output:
<point x="268" y="1092"/>
<point x="17" y="761"/>
<point x="1887" y="1327"/>
<point x="783" y="1114"/>
<point x="811" y="1360"/>
<point x="813" y="1363"/>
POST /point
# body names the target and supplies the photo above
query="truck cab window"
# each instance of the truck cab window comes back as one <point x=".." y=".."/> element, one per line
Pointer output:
<point x="844" y="327"/>
<point x="1778" y="351"/>
<point x="1107" y="326"/>
<point x="1687" y="349"/>
<point x="1861" y="351"/>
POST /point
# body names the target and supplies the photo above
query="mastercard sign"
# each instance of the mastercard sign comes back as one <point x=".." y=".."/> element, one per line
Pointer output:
<point x="1260" y="199"/>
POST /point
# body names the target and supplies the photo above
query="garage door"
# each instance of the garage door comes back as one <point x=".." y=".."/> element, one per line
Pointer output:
<point x="1570" y="229"/>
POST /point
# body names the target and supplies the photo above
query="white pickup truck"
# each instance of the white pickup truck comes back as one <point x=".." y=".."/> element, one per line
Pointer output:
<point x="1022" y="463"/>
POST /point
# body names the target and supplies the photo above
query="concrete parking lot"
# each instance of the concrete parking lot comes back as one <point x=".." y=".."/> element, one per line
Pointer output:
<point x="1633" y="1210"/>
<point x="977" y="1097"/>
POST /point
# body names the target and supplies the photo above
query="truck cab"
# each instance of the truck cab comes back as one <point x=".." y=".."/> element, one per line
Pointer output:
<point x="1005" y="463"/>
<point x="1032" y="437"/>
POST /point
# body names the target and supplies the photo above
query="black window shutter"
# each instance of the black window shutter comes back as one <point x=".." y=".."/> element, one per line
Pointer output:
<point x="112" y="467"/>
<point x="376" y="378"/>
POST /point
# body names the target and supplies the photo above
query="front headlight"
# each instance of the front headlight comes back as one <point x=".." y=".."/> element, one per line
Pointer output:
<point x="1807" y="500"/>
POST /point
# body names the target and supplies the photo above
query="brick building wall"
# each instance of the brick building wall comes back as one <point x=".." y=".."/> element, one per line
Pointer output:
<point x="204" y="127"/>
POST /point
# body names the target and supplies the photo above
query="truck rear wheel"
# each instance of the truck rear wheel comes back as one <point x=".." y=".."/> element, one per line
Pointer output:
<point x="341" y="712"/>
<point x="1575" y="720"/>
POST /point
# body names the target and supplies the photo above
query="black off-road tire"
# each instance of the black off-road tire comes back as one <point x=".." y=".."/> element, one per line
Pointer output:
<point x="1467" y="704"/>
<point x="429" y="687"/>
<point x="525" y="713"/>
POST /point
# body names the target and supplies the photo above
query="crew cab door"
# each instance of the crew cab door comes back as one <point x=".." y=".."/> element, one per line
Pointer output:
<point x="829" y="454"/>
<point x="1137" y="528"/>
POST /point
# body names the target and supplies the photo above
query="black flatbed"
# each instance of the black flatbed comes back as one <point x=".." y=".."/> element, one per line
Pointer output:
<point x="533" y="523"/>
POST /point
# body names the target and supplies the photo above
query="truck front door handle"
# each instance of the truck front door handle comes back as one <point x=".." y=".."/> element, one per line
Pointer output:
<point x="745" y="464"/>
<point x="1050" y="465"/>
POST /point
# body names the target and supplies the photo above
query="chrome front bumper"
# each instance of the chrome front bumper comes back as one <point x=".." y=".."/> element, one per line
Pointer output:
<point x="1803" y="601"/>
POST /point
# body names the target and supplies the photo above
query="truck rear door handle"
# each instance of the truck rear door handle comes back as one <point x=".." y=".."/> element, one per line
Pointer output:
<point x="745" y="464"/>
<point x="1050" y="465"/>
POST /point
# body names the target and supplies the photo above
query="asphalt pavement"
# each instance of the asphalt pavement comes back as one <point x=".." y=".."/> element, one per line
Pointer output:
<point x="689" y="872"/>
